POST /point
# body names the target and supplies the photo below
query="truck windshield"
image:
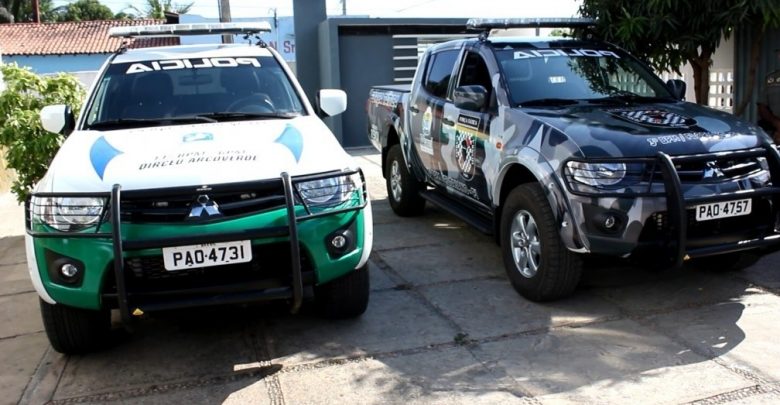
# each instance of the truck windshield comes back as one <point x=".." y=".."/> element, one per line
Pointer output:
<point x="172" y="91"/>
<point x="536" y="76"/>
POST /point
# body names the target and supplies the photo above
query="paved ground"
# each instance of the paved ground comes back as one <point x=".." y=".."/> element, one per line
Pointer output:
<point x="443" y="326"/>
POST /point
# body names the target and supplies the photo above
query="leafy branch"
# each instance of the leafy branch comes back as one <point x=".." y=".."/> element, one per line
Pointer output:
<point x="29" y="149"/>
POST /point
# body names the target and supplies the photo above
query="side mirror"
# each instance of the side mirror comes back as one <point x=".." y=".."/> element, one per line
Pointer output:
<point x="471" y="98"/>
<point x="678" y="88"/>
<point x="332" y="101"/>
<point x="58" y="118"/>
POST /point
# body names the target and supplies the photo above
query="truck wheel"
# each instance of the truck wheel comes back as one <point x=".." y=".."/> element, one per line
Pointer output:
<point x="536" y="261"/>
<point x="74" y="330"/>
<point x="402" y="188"/>
<point x="344" y="297"/>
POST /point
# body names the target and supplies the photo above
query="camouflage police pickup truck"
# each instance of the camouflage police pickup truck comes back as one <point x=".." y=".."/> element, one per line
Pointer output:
<point x="565" y="148"/>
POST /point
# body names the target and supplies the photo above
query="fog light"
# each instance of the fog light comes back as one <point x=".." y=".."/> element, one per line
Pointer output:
<point x="338" y="241"/>
<point x="610" y="222"/>
<point x="68" y="270"/>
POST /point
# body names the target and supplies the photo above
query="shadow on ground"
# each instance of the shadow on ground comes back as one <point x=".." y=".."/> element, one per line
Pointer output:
<point x="443" y="325"/>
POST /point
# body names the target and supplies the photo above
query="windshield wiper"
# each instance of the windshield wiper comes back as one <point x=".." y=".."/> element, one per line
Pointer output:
<point x="219" y="116"/>
<point x="628" y="97"/>
<point x="549" y="102"/>
<point x="142" y="122"/>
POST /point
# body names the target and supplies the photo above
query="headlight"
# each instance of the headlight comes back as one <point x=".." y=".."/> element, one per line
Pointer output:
<point x="597" y="174"/>
<point x="320" y="191"/>
<point x="327" y="192"/>
<point x="67" y="214"/>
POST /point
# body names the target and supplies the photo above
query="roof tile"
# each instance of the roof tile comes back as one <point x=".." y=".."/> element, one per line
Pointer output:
<point x="69" y="38"/>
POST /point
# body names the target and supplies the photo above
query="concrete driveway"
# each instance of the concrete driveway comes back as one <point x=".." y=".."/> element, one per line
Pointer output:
<point x="443" y="326"/>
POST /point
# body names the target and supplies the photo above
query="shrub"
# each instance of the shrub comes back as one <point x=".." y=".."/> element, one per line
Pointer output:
<point x="29" y="148"/>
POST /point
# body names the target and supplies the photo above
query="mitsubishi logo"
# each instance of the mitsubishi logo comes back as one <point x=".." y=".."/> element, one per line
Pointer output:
<point x="204" y="207"/>
<point x="712" y="171"/>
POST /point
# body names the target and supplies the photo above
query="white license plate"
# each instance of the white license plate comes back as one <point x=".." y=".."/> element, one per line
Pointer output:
<point x="207" y="255"/>
<point x="724" y="209"/>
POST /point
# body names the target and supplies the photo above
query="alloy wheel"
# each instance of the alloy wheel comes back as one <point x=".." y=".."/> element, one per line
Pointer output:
<point x="525" y="244"/>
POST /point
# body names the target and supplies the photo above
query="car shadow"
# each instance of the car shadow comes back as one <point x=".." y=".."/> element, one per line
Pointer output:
<point x="465" y="338"/>
<point x="443" y="324"/>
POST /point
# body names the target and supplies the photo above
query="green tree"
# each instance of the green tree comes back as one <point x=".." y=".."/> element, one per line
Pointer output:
<point x="123" y="16"/>
<point x="21" y="10"/>
<point x="158" y="8"/>
<point x="668" y="33"/>
<point x="30" y="148"/>
<point x="86" y="10"/>
<point x="5" y="16"/>
<point x="558" y="32"/>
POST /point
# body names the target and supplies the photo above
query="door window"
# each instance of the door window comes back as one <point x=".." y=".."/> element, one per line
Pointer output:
<point x="475" y="72"/>
<point x="437" y="79"/>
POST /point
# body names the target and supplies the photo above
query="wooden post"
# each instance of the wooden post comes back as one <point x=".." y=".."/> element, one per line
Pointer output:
<point x="36" y="11"/>
<point x="224" y="16"/>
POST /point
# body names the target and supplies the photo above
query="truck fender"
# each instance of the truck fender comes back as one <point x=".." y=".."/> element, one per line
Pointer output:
<point x="389" y="132"/>
<point x="388" y="137"/>
<point x="395" y="134"/>
<point x="35" y="274"/>
<point x="536" y="168"/>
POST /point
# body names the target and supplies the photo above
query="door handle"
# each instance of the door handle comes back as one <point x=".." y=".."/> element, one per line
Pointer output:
<point x="448" y="122"/>
<point x="414" y="109"/>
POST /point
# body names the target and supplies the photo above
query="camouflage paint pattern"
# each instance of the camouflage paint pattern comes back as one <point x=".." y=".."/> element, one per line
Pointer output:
<point x="543" y="139"/>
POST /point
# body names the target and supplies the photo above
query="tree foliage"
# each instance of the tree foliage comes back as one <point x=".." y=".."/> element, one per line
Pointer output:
<point x="86" y="10"/>
<point x="80" y="10"/>
<point x="22" y="11"/>
<point x="669" y="33"/>
<point x="30" y="148"/>
<point x="158" y="8"/>
<point x="5" y="16"/>
<point x="123" y="16"/>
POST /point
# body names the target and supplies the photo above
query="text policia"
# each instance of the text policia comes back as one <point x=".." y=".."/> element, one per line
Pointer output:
<point x="545" y="53"/>
<point x="199" y="63"/>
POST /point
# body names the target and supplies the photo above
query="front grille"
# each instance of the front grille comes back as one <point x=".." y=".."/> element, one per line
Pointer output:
<point x="270" y="262"/>
<point x="658" y="228"/>
<point x="716" y="170"/>
<point x="177" y="208"/>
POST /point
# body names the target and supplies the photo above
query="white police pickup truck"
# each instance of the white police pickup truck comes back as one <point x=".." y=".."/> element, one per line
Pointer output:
<point x="196" y="175"/>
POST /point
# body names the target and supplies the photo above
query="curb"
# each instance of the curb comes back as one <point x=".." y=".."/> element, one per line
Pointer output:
<point x="46" y="378"/>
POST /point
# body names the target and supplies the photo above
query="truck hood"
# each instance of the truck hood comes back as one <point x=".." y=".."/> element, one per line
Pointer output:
<point x="193" y="155"/>
<point x="675" y="128"/>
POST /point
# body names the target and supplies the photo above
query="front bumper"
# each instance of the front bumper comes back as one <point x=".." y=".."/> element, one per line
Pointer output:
<point x="122" y="265"/>
<point x="660" y="217"/>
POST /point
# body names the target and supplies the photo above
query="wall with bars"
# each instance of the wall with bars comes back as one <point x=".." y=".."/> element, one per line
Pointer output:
<point x="357" y="53"/>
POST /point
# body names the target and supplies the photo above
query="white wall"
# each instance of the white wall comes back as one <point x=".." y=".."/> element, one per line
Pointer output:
<point x="721" y="78"/>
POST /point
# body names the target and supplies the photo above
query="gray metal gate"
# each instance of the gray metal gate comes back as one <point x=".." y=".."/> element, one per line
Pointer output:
<point x="370" y="53"/>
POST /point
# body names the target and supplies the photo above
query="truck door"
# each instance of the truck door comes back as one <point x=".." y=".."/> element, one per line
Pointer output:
<point x="427" y="106"/>
<point x="464" y="133"/>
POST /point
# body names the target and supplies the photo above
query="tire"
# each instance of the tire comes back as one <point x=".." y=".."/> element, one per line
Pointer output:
<point x="528" y="230"/>
<point x="728" y="262"/>
<point x="344" y="297"/>
<point x="74" y="330"/>
<point x="403" y="190"/>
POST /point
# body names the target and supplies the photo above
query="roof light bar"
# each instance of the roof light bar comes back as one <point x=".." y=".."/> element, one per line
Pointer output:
<point x="171" y="30"/>
<point x="492" y="23"/>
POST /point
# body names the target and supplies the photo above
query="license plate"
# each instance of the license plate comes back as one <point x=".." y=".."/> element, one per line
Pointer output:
<point x="207" y="255"/>
<point x="725" y="209"/>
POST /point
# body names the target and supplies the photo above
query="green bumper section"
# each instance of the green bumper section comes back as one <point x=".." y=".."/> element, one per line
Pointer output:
<point x="97" y="253"/>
